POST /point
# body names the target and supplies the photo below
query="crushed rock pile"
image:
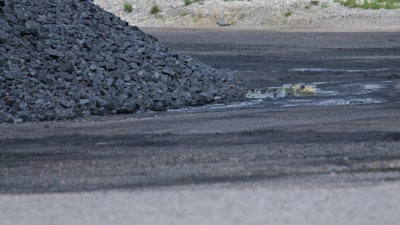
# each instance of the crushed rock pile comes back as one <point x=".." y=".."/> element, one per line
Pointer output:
<point x="66" y="59"/>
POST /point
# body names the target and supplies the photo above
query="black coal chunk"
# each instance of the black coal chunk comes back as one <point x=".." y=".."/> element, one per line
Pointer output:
<point x="64" y="59"/>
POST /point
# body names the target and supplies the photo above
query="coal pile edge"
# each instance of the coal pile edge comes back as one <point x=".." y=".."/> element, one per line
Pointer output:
<point x="66" y="59"/>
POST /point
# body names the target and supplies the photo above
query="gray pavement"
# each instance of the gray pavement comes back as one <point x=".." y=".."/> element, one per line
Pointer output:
<point x="241" y="204"/>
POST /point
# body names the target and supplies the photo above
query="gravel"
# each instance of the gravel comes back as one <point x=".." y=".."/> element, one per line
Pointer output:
<point x="66" y="59"/>
<point x="259" y="14"/>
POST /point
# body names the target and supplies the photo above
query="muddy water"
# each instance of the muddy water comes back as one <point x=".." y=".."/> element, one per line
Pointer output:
<point x="323" y="93"/>
<point x="309" y="94"/>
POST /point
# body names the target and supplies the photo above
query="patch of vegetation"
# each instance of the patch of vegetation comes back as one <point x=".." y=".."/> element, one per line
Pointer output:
<point x="155" y="9"/>
<point x="314" y="2"/>
<point x="189" y="2"/>
<point x="287" y="14"/>
<point x="128" y="7"/>
<point x="324" y="5"/>
<point x="371" y="4"/>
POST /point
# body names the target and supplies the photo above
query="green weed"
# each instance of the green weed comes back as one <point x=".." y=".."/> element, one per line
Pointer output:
<point x="287" y="14"/>
<point x="128" y="7"/>
<point x="155" y="9"/>
<point x="189" y="2"/>
<point x="371" y="4"/>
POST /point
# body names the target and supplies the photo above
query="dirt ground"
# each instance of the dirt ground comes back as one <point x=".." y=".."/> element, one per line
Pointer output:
<point x="354" y="130"/>
<point x="347" y="136"/>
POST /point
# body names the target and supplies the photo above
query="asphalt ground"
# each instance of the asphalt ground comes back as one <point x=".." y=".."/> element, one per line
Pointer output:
<point x="293" y="160"/>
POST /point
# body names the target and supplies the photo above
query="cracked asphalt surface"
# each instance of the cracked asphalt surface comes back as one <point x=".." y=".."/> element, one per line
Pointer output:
<point x="338" y="145"/>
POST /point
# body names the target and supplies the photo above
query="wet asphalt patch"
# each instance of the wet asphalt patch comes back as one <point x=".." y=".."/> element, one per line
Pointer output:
<point x="309" y="94"/>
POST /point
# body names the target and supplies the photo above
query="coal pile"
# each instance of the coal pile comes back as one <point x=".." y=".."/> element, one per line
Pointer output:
<point x="65" y="59"/>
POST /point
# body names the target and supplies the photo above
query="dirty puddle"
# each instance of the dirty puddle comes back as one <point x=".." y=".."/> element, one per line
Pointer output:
<point x="306" y="94"/>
